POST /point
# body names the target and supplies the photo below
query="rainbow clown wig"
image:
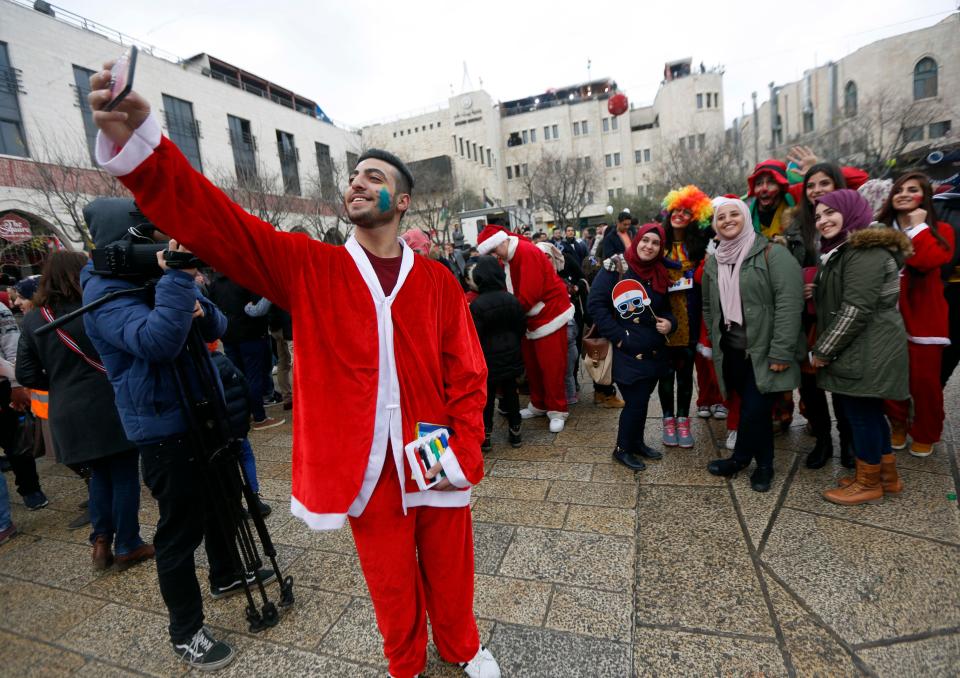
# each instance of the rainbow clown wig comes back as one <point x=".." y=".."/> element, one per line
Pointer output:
<point x="691" y="198"/>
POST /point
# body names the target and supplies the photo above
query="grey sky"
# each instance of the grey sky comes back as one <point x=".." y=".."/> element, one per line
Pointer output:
<point x="369" y="61"/>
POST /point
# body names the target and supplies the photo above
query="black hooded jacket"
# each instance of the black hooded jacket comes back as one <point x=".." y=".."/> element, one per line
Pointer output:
<point x="499" y="318"/>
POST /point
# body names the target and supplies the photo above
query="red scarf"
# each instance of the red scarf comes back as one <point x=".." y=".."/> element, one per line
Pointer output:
<point x="653" y="270"/>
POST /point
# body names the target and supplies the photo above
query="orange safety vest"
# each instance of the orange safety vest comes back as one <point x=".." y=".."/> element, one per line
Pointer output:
<point x="40" y="404"/>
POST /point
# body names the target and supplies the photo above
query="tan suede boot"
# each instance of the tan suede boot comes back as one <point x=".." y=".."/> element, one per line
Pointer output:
<point x="865" y="489"/>
<point x="890" y="480"/>
<point x="898" y="434"/>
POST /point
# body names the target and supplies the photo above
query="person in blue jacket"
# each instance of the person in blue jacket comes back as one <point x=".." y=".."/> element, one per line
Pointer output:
<point x="628" y="302"/>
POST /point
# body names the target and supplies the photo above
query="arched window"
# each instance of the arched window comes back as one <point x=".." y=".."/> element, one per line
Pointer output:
<point x="925" y="79"/>
<point x="850" y="99"/>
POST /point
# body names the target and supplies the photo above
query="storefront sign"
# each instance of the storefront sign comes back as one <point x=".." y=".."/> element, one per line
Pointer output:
<point x="14" y="228"/>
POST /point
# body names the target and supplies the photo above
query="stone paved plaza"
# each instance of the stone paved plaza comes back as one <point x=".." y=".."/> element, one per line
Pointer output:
<point x="583" y="569"/>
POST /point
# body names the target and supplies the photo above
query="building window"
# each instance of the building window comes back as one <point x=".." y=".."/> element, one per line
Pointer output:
<point x="288" y="163"/>
<point x="479" y="155"/>
<point x="516" y="171"/>
<point x="546" y="132"/>
<point x="533" y="136"/>
<point x="461" y="147"/>
<point x="556" y="166"/>
<point x="12" y="139"/>
<point x="606" y="124"/>
<point x="619" y="193"/>
<point x="576" y="129"/>
<point x="489" y="158"/>
<point x="438" y="125"/>
<point x="939" y="129"/>
<point x="638" y="157"/>
<point x="183" y="129"/>
<point x="475" y="156"/>
<point x="646" y="155"/>
<point x="683" y="143"/>
<point x="925" y="79"/>
<point x="583" y="126"/>
<point x="325" y="171"/>
<point x="81" y="79"/>
<point x="699" y="101"/>
<point x="913" y="133"/>
<point x="807" y="122"/>
<point x="509" y="172"/>
<point x="608" y="160"/>
<point x="469" y="157"/>
<point x="850" y="99"/>
<point x="556" y="131"/>
<point x="614" y="125"/>
<point x="394" y="135"/>
<point x="431" y="125"/>
<point x="610" y="194"/>
<point x="589" y="197"/>
<point x="586" y="161"/>
<point x="416" y="129"/>
<point x="616" y="160"/>
<point x="244" y="148"/>
<point x="526" y="136"/>
<point x="352" y="160"/>
<point x="701" y="141"/>
<point x="401" y="133"/>
<point x="524" y="167"/>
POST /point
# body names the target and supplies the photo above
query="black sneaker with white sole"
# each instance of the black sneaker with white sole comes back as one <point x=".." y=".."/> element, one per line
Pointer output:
<point x="265" y="574"/>
<point x="204" y="652"/>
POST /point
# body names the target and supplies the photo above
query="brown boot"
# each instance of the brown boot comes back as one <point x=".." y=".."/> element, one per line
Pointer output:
<point x="865" y="489"/>
<point x="137" y="555"/>
<point x="890" y="480"/>
<point x="898" y="434"/>
<point x="608" y="401"/>
<point x="102" y="554"/>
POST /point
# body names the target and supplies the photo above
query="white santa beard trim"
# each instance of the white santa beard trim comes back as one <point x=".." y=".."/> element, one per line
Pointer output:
<point x="491" y="243"/>
<point x="535" y="309"/>
<point x="552" y="326"/>
<point x="317" y="521"/>
<point x="138" y="148"/>
<point x="929" y="341"/>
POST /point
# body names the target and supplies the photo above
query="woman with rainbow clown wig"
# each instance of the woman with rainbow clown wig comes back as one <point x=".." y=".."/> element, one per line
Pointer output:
<point x="686" y="225"/>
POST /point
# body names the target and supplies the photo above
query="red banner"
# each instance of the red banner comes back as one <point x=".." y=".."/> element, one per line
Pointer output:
<point x="14" y="228"/>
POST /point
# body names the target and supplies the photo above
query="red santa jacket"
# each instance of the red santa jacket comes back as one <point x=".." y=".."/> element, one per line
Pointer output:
<point x="922" y="304"/>
<point x="368" y="367"/>
<point x="533" y="279"/>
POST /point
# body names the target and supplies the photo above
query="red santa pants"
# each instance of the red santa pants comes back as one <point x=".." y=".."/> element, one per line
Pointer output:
<point x="927" y="394"/>
<point x="708" y="391"/>
<point x="545" y="360"/>
<point x="416" y="565"/>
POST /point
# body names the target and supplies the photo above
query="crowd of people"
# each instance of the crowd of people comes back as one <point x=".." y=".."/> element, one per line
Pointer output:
<point x="818" y="280"/>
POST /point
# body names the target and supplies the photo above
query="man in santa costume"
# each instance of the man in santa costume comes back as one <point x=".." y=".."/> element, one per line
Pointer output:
<point x="384" y="341"/>
<point x="533" y="279"/>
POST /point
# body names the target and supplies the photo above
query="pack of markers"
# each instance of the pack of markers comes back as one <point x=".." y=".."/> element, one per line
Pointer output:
<point x="425" y="452"/>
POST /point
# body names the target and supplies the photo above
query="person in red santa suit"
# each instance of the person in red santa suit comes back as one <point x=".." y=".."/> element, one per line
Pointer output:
<point x="532" y="278"/>
<point x="391" y="345"/>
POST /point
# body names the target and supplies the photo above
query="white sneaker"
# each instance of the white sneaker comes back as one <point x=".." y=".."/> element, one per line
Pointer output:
<point x="483" y="665"/>
<point x="704" y="412"/>
<point x="731" y="440"/>
<point x="556" y="424"/>
<point x="529" y="412"/>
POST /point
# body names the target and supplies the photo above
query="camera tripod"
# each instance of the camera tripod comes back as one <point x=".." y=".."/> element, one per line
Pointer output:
<point x="202" y="402"/>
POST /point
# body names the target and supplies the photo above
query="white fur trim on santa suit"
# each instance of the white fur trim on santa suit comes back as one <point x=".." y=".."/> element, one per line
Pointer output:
<point x="914" y="231"/>
<point x="557" y="323"/>
<point x="535" y="309"/>
<point x="929" y="341"/>
<point x="137" y="149"/>
<point x="491" y="243"/>
<point x="512" y="242"/>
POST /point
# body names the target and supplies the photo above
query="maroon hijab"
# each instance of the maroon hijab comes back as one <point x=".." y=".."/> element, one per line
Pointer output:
<point x="655" y="271"/>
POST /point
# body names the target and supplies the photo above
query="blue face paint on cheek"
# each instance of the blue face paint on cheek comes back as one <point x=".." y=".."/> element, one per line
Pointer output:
<point x="384" y="203"/>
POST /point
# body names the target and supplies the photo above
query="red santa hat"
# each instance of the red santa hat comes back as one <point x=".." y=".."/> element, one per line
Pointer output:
<point x="775" y="168"/>
<point x="628" y="290"/>
<point x="490" y="238"/>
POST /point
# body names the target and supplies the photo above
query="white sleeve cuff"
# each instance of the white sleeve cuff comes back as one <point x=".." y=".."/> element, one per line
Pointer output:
<point x="916" y="230"/>
<point x="448" y="460"/>
<point x="140" y="146"/>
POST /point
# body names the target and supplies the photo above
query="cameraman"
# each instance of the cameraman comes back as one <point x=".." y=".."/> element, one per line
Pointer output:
<point x="140" y="339"/>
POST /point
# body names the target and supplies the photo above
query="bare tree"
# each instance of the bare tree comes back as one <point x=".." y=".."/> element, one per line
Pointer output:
<point x="562" y="187"/>
<point x="434" y="213"/>
<point x="713" y="169"/>
<point x="326" y="214"/>
<point x="261" y="193"/>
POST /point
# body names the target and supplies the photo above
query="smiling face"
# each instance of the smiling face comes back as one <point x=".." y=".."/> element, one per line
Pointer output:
<point x="649" y="246"/>
<point x="817" y="185"/>
<point x="767" y="190"/>
<point x="681" y="218"/>
<point x="729" y="222"/>
<point x="908" y="197"/>
<point x="372" y="197"/>
<point x="829" y="221"/>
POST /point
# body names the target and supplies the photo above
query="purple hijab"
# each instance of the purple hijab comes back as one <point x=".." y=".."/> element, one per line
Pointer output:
<point x="856" y="212"/>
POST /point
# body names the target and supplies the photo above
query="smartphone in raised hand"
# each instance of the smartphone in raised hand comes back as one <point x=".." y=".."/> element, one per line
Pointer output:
<point x="121" y="83"/>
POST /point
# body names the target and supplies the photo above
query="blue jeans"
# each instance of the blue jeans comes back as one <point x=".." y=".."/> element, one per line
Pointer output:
<point x="868" y="426"/>
<point x="115" y="500"/>
<point x="573" y="362"/>
<point x="5" y="520"/>
<point x="633" y="416"/>
<point x="755" y="432"/>
<point x="249" y="464"/>
<point x="250" y="358"/>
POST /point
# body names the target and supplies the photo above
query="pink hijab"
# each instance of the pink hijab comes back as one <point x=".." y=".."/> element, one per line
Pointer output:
<point x="417" y="240"/>
<point x="730" y="256"/>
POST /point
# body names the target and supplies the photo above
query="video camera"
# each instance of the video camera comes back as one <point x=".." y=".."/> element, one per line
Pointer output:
<point x="135" y="255"/>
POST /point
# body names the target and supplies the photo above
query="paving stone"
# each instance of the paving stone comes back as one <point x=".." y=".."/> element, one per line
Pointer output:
<point x="589" y="455"/>
<point x="490" y="542"/>
<point x="136" y="587"/>
<point x="519" y="512"/>
<point x="674" y="653"/>
<point x="129" y="638"/>
<point x="591" y="560"/>
<point x="515" y="601"/>
<point x="589" y="612"/>
<point x="512" y="488"/>
<point x="55" y="563"/>
<point x="337" y="572"/>
<point x="543" y="653"/>
<point x="39" y="611"/>
<point x="601" y="519"/>
<point x="25" y="658"/>
<point x="863" y="582"/>
<point x="438" y="668"/>
<point x="622" y="495"/>
<point x="528" y="453"/>
<point x="273" y="469"/>
<point x="258" y="657"/>
<point x="592" y="438"/>
<point x="355" y="636"/>
<point x="542" y="470"/>
<point x="757" y="507"/>
<point x="938" y="656"/>
<point x="298" y="533"/>
<point x="95" y="669"/>
<point x="689" y="543"/>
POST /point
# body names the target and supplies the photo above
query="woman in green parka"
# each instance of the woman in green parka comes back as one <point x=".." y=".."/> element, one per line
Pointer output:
<point x="861" y="350"/>
<point x="752" y="299"/>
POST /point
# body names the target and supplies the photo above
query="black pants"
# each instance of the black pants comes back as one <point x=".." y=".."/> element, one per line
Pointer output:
<point x="679" y="369"/>
<point x="182" y="488"/>
<point x="633" y="416"/>
<point x="755" y="432"/>
<point x="951" y="353"/>
<point x="815" y="408"/>
<point x="509" y="401"/>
